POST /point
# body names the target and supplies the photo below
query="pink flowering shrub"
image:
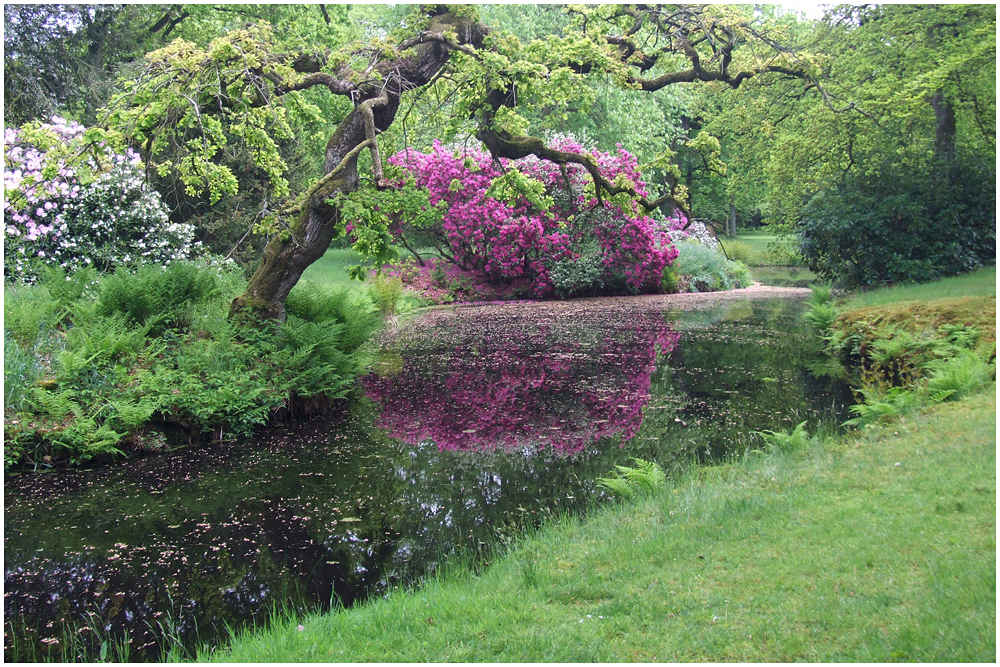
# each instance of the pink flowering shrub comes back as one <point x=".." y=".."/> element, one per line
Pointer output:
<point x="73" y="202"/>
<point x="513" y="380"/>
<point x="555" y="238"/>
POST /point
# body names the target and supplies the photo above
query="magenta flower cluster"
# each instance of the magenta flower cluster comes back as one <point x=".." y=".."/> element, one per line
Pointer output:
<point x="514" y="241"/>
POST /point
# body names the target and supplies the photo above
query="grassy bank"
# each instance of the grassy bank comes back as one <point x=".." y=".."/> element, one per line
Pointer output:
<point x="876" y="546"/>
<point x="772" y="259"/>
<point x="982" y="282"/>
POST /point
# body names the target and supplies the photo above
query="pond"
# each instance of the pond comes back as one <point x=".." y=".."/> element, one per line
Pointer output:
<point x="475" y="424"/>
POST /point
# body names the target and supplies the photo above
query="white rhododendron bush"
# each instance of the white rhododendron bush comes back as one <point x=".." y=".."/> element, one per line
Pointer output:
<point x="72" y="201"/>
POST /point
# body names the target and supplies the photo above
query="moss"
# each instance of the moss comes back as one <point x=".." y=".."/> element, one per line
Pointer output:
<point x="917" y="317"/>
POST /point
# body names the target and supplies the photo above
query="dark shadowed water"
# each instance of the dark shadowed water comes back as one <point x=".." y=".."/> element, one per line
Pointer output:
<point x="475" y="424"/>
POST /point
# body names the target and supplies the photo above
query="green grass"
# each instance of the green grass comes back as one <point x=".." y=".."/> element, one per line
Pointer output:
<point x="876" y="546"/>
<point x="759" y="247"/>
<point x="982" y="282"/>
<point x="330" y="270"/>
<point x="756" y="249"/>
<point x="783" y="276"/>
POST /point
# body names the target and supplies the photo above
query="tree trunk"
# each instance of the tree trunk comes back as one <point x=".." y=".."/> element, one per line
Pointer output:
<point x="287" y="255"/>
<point x="944" y="115"/>
<point x="731" y="229"/>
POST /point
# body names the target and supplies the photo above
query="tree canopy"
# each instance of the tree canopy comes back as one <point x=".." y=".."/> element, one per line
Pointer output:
<point x="188" y="105"/>
<point x="285" y="115"/>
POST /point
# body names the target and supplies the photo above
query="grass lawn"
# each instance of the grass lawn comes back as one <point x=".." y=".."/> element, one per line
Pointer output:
<point x="330" y="270"/>
<point x="756" y="250"/>
<point x="982" y="282"/>
<point x="756" y="243"/>
<point x="877" y="546"/>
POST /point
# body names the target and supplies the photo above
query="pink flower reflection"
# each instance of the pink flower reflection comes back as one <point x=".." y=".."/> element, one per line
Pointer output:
<point x="505" y="381"/>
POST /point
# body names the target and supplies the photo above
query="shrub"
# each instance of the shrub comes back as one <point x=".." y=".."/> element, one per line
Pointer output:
<point x="708" y="270"/>
<point x="533" y="217"/>
<point x="739" y="251"/>
<point x="902" y="225"/>
<point x="71" y="201"/>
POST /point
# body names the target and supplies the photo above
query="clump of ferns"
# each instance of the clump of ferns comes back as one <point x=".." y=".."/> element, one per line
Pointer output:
<point x="628" y="482"/>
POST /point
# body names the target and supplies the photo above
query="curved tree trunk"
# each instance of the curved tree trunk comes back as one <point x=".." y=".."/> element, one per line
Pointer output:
<point x="286" y="258"/>
<point x="310" y="232"/>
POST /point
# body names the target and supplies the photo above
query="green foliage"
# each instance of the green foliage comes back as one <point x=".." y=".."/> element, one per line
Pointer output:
<point x="580" y="276"/>
<point x="385" y="293"/>
<point x="821" y="312"/>
<point x="65" y="287"/>
<point x="163" y="296"/>
<point x="784" y="442"/>
<point x="28" y="310"/>
<point x="213" y="385"/>
<point x="20" y="370"/>
<point x="627" y="482"/>
<point x="901" y="225"/>
<point x="708" y="270"/>
<point x="740" y="251"/>
<point x="143" y="352"/>
<point x="899" y="371"/>
<point x="960" y="375"/>
<point x="671" y="279"/>
<point x="880" y="407"/>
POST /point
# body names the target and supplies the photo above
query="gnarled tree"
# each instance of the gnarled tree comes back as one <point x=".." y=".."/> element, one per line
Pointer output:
<point x="189" y="104"/>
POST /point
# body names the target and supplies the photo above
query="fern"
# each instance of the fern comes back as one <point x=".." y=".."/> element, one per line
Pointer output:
<point x="960" y="374"/>
<point x="797" y="439"/>
<point x="627" y="482"/>
<point x="821" y="311"/>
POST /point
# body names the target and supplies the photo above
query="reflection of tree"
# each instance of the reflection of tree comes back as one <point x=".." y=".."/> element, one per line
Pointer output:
<point x="500" y="381"/>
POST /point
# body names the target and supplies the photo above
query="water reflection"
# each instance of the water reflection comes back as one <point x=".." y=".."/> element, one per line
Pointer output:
<point x="182" y="544"/>
<point x="499" y="377"/>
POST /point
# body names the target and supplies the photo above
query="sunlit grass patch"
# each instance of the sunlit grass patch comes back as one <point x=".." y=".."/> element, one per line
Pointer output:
<point x="764" y="248"/>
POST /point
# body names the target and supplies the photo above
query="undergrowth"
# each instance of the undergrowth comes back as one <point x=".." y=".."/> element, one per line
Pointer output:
<point x="100" y="366"/>
<point x="900" y="365"/>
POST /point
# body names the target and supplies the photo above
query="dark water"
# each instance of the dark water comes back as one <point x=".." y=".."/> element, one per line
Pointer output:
<point x="487" y="419"/>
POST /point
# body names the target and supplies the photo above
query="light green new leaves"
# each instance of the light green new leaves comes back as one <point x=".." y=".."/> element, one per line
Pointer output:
<point x="190" y="107"/>
<point x="513" y="186"/>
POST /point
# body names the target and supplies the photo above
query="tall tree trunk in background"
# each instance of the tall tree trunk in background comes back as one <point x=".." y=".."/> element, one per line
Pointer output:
<point x="732" y="218"/>
<point x="944" y="115"/>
